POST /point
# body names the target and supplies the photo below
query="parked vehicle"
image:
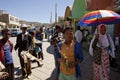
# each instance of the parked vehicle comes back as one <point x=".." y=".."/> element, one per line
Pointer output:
<point x="15" y="32"/>
<point x="31" y="29"/>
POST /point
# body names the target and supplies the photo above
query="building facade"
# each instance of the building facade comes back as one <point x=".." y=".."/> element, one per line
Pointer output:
<point x="11" y="21"/>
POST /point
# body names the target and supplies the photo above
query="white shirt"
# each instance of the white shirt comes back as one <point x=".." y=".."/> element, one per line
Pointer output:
<point x="23" y="35"/>
<point x="78" y="36"/>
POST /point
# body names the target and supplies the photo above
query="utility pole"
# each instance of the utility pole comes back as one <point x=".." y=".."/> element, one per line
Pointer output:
<point x="51" y="18"/>
<point x="55" y="12"/>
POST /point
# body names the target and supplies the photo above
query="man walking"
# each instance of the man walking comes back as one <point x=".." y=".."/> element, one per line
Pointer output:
<point x="23" y="43"/>
<point x="78" y="35"/>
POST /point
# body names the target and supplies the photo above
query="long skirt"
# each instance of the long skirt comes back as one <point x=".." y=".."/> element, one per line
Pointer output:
<point x="101" y="72"/>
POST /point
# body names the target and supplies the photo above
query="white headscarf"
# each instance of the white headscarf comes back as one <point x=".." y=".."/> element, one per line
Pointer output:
<point x="104" y="41"/>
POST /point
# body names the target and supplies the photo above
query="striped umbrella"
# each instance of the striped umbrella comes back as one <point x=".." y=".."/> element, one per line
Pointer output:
<point x="99" y="17"/>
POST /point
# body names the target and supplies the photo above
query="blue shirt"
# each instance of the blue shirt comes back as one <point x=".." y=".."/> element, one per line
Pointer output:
<point x="8" y="54"/>
<point x="39" y="36"/>
<point x="52" y="31"/>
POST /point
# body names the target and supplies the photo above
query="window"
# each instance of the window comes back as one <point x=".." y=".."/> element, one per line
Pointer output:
<point x="11" y="18"/>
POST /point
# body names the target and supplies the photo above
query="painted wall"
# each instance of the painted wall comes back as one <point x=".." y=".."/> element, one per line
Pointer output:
<point x="100" y="4"/>
<point x="78" y="9"/>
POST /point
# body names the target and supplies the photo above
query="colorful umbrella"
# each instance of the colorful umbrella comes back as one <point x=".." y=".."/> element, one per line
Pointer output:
<point x="99" y="17"/>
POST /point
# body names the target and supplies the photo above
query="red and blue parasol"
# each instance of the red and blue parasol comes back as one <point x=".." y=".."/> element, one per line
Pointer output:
<point x="99" y="17"/>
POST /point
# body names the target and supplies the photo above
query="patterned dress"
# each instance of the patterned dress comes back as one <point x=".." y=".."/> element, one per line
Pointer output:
<point x="101" y="72"/>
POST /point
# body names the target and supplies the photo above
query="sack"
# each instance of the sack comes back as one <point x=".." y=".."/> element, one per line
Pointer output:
<point x="26" y="55"/>
<point x="2" y="67"/>
<point x="97" y="55"/>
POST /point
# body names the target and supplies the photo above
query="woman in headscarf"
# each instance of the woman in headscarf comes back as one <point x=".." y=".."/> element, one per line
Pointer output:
<point x="105" y="45"/>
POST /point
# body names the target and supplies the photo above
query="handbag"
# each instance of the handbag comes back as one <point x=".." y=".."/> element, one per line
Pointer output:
<point x="97" y="51"/>
<point x="2" y="67"/>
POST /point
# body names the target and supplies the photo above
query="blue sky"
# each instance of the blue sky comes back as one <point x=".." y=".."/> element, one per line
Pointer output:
<point x="35" y="10"/>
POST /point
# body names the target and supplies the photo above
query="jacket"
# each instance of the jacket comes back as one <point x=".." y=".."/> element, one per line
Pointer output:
<point x="78" y="54"/>
<point x="23" y="45"/>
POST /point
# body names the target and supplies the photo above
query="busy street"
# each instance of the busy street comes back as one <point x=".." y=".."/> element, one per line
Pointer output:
<point x="38" y="73"/>
<point x="47" y="71"/>
<point x="60" y="40"/>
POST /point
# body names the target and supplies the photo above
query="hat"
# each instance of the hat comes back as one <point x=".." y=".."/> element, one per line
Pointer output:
<point x="23" y="26"/>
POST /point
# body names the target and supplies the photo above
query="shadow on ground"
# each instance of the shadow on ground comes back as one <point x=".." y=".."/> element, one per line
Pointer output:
<point x="52" y="77"/>
<point x="17" y="71"/>
<point x="50" y="49"/>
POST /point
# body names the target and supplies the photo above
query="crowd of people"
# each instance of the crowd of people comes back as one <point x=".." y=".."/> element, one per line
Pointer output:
<point x="68" y="52"/>
<point x="26" y="42"/>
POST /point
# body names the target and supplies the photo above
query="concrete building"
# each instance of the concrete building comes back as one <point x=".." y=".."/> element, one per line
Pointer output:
<point x="10" y="20"/>
<point x="2" y="24"/>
